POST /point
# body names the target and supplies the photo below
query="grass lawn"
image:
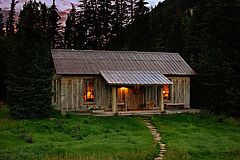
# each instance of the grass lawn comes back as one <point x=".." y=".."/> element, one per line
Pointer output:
<point x="199" y="136"/>
<point x="76" y="137"/>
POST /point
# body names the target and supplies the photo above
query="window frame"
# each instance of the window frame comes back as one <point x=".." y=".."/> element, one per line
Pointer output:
<point x="85" y="88"/>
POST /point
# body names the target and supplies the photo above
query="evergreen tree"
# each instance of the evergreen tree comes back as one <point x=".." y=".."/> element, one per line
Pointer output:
<point x="70" y="29"/>
<point x="1" y="23"/>
<point x="29" y="74"/>
<point x="44" y="16"/>
<point x="82" y="25"/>
<point x="93" y="25"/>
<point x="105" y="20"/>
<point x="54" y="27"/>
<point x="120" y="17"/>
<point x="10" y="27"/>
<point x="219" y="57"/>
<point x="131" y="10"/>
<point x="141" y="8"/>
<point x="5" y="44"/>
<point x="207" y="35"/>
<point x="99" y="21"/>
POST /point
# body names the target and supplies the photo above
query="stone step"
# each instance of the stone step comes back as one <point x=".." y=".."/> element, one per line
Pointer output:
<point x="153" y="129"/>
<point x="161" y="155"/>
<point x="157" y="137"/>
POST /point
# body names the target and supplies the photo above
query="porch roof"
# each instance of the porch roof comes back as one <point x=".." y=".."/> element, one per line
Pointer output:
<point x="135" y="78"/>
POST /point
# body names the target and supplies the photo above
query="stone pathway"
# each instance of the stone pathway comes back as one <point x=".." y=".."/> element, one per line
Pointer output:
<point x="157" y="138"/>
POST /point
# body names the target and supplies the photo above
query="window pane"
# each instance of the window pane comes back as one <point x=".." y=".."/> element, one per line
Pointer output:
<point x="89" y="91"/>
<point x="166" y="92"/>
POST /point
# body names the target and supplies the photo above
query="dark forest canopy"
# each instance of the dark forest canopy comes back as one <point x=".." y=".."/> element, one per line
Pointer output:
<point x="25" y="73"/>
<point x="205" y="33"/>
<point x="90" y="25"/>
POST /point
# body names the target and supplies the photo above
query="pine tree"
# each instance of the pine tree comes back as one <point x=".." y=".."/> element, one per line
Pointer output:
<point x="29" y="74"/>
<point x="219" y="58"/>
<point x="10" y="27"/>
<point x="54" y="27"/>
<point x="92" y="21"/>
<point x="70" y="29"/>
<point x="105" y="20"/>
<point x="1" y="23"/>
<point x="141" y="8"/>
<point x="119" y="17"/>
<point x="44" y="16"/>
<point x="5" y="44"/>
<point x="82" y="25"/>
<point x="131" y="10"/>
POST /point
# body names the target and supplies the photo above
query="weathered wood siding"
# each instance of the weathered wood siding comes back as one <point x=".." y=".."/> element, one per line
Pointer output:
<point x="180" y="91"/>
<point x="69" y="93"/>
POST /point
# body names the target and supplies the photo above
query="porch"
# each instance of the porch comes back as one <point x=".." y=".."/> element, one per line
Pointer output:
<point x="140" y="112"/>
<point x="137" y="90"/>
<point x="120" y="91"/>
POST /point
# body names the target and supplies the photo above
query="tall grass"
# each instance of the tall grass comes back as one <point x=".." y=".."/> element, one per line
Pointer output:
<point x="76" y="137"/>
<point x="199" y="136"/>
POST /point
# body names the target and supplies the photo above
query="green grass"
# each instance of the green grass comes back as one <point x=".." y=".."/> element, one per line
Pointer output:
<point x="199" y="136"/>
<point x="187" y="136"/>
<point x="76" y="137"/>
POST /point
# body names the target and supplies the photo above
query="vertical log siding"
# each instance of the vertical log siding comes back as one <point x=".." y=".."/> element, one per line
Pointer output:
<point x="69" y="90"/>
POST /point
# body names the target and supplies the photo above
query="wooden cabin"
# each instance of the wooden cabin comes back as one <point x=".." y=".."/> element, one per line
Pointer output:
<point x="113" y="81"/>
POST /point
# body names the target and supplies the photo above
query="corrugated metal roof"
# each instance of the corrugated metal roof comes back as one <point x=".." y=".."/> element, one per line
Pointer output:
<point x="91" y="62"/>
<point x="134" y="78"/>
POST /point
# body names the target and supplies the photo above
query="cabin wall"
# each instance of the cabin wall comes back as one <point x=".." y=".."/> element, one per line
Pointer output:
<point x="68" y="93"/>
<point x="180" y="91"/>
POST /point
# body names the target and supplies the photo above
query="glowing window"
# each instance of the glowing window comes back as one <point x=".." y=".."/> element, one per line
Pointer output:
<point x="166" y="92"/>
<point x="88" y="91"/>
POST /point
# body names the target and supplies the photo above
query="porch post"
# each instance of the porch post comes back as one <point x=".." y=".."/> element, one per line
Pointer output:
<point x="114" y="99"/>
<point x="161" y="99"/>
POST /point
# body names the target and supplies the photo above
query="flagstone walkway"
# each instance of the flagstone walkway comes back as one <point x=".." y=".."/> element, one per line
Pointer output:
<point x="157" y="137"/>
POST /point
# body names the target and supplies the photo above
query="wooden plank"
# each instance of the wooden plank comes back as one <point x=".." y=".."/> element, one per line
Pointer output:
<point x="80" y="82"/>
<point x="72" y="95"/>
<point x="59" y="92"/>
<point x="77" y="94"/>
<point x="171" y="93"/>
<point x="156" y="96"/>
<point x="161" y="99"/>
<point x="114" y="99"/>
<point x="178" y="91"/>
<point x="108" y="93"/>
<point x="175" y="90"/>
<point x="95" y="92"/>
<point x="187" y="96"/>
<point x="184" y="90"/>
<point x="64" y="103"/>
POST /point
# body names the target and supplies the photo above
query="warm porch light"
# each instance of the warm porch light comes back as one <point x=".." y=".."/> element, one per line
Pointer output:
<point x="123" y="88"/>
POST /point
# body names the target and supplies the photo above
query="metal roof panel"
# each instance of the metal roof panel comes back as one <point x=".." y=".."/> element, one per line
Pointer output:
<point x="135" y="77"/>
<point x="90" y="62"/>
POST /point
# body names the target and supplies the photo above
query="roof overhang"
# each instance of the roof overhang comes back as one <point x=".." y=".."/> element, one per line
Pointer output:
<point x="135" y="78"/>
